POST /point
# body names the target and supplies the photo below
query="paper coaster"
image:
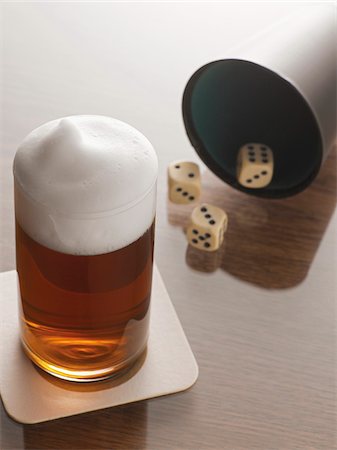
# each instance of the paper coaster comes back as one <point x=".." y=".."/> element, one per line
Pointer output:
<point x="31" y="396"/>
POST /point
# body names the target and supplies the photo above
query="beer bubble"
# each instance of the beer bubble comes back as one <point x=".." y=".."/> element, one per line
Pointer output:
<point x="85" y="184"/>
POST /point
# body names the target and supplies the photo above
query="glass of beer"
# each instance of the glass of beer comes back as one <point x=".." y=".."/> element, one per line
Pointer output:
<point x="85" y="194"/>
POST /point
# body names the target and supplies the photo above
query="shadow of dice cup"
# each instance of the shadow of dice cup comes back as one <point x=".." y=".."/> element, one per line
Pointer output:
<point x="272" y="243"/>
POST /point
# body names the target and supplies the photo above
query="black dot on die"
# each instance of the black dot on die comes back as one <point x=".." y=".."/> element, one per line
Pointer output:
<point x="207" y="235"/>
<point x="249" y="180"/>
<point x="263" y="148"/>
<point x="252" y="159"/>
<point x="211" y="222"/>
<point x="194" y="241"/>
<point x="251" y="147"/>
<point x="194" y="231"/>
<point x="203" y="209"/>
<point x="185" y="194"/>
<point x="177" y="166"/>
<point x="191" y="197"/>
<point x="208" y="216"/>
<point x="191" y="175"/>
<point x="265" y="160"/>
<point x="201" y="238"/>
<point x="207" y="244"/>
<point x="264" y="172"/>
<point x="251" y="153"/>
<point x="178" y="189"/>
<point x="257" y="176"/>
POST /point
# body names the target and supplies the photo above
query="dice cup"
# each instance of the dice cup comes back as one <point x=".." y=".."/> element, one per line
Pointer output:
<point x="279" y="89"/>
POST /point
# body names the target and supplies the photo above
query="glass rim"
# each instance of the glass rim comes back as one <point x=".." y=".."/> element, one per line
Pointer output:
<point x="86" y="215"/>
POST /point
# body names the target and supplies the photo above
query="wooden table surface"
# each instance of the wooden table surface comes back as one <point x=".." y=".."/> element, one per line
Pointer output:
<point x="260" y="314"/>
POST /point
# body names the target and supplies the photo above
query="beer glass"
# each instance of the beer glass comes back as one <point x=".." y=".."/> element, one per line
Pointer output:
<point x="85" y="193"/>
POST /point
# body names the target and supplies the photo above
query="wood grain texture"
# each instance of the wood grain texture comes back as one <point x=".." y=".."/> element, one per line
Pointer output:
<point x="260" y="314"/>
<point x="267" y="363"/>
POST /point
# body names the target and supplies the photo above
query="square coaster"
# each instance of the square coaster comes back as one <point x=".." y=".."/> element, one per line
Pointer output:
<point x="31" y="396"/>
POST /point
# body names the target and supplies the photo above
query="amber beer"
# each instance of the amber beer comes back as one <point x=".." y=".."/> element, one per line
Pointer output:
<point x="91" y="315"/>
<point x="84" y="312"/>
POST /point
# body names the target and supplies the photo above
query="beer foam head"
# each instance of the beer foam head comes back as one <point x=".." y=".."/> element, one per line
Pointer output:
<point x="85" y="169"/>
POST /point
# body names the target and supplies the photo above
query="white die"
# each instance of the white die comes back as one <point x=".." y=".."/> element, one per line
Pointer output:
<point x="255" y="165"/>
<point x="207" y="227"/>
<point x="184" y="182"/>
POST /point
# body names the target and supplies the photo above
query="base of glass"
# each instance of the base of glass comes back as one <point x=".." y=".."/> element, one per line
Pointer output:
<point x="82" y="376"/>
